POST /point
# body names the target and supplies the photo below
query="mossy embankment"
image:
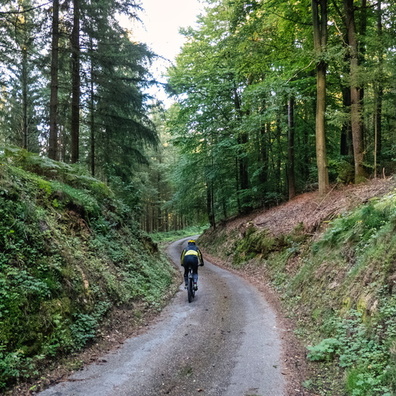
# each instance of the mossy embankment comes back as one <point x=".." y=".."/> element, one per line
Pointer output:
<point x="71" y="253"/>
<point x="337" y="281"/>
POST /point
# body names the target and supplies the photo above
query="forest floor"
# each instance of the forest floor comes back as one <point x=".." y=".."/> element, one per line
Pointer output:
<point x="312" y="209"/>
<point x="309" y="209"/>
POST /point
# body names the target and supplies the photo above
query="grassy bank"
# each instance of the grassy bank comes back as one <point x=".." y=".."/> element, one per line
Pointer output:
<point x="71" y="252"/>
<point x="163" y="237"/>
<point x="339" y="286"/>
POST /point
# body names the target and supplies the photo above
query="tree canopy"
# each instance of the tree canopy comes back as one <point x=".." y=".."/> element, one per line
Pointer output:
<point x="275" y="98"/>
<point x="73" y="83"/>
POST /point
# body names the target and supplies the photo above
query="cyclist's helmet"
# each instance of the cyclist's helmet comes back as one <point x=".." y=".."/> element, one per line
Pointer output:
<point x="191" y="241"/>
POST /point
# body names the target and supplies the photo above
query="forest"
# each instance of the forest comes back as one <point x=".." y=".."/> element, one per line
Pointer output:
<point x="72" y="87"/>
<point x="270" y="99"/>
<point x="280" y="97"/>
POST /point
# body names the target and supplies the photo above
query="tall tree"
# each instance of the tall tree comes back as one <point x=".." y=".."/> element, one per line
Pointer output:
<point x="290" y="148"/>
<point x="319" y="15"/>
<point x="117" y="73"/>
<point x="53" y="134"/>
<point x="355" y="88"/>
<point x="378" y="91"/>
<point x="19" y="40"/>
<point x="76" y="81"/>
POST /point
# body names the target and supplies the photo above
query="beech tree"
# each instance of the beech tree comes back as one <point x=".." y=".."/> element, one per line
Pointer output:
<point x="214" y="74"/>
<point x="355" y="88"/>
<point x="319" y="14"/>
<point x="247" y="71"/>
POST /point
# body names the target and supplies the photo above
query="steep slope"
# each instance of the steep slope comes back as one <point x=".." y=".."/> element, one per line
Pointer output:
<point x="331" y="260"/>
<point x="72" y="258"/>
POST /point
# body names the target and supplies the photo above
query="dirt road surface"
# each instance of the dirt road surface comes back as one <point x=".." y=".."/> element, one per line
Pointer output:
<point x="225" y="342"/>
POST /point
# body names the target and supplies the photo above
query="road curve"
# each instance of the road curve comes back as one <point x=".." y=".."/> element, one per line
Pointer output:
<point x="224" y="343"/>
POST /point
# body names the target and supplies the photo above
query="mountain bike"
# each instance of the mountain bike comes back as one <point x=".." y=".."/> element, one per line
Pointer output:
<point x="190" y="285"/>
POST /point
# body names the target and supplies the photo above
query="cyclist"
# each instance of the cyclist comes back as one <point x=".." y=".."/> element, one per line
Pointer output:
<point x="191" y="256"/>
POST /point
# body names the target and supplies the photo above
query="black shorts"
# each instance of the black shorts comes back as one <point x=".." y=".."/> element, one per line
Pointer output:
<point x="190" y="261"/>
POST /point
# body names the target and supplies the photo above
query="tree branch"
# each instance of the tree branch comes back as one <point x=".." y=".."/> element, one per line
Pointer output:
<point x="4" y="13"/>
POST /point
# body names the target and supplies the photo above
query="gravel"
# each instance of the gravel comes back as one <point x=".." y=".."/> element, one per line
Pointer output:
<point x="226" y="342"/>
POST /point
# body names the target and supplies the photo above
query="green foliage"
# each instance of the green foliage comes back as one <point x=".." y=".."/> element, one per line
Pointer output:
<point x="114" y="69"/>
<point x="74" y="198"/>
<point x="362" y="349"/>
<point x="361" y="226"/>
<point x="364" y="381"/>
<point x="161" y="237"/>
<point x="341" y="170"/>
<point x="324" y="351"/>
<point x="242" y="65"/>
<point x="70" y="252"/>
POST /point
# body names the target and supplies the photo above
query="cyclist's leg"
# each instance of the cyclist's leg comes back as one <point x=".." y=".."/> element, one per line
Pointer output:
<point x="185" y="266"/>
<point x="191" y="261"/>
<point x="194" y="267"/>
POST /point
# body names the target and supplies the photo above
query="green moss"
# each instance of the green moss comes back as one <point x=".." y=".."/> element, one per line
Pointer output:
<point x="256" y="243"/>
<point x="70" y="252"/>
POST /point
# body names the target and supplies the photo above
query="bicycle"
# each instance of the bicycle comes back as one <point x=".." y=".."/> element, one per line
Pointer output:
<point x="190" y="286"/>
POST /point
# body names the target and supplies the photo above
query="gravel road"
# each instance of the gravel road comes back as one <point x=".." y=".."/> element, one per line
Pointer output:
<point x="223" y="343"/>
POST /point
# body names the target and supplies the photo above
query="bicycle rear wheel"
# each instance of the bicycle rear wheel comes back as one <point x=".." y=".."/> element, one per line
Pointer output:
<point x="190" y="289"/>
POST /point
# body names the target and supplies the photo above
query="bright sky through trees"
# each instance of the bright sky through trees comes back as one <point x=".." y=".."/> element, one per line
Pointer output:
<point x="162" y="21"/>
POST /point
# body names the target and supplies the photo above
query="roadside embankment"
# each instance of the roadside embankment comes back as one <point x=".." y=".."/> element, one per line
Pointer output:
<point x="74" y="266"/>
<point x="331" y="262"/>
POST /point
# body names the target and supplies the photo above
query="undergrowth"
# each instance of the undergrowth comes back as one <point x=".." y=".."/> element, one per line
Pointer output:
<point x="340" y="288"/>
<point x="354" y="262"/>
<point x="70" y="250"/>
<point x="161" y="237"/>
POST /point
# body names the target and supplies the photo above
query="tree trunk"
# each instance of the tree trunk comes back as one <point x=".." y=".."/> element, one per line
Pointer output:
<point x="92" y="114"/>
<point x="210" y="204"/>
<point x="346" y="135"/>
<point x="319" y="16"/>
<point x="263" y="147"/>
<point x="356" y="119"/>
<point x="243" y="175"/>
<point x="278" y="160"/>
<point x="237" y="184"/>
<point x="290" y="149"/>
<point x="379" y="92"/>
<point x="75" y="111"/>
<point x="53" y="134"/>
<point x="25" y="133"/>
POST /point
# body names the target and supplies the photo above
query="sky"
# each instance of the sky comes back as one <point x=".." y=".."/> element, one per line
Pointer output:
<point x="162" y="20"/>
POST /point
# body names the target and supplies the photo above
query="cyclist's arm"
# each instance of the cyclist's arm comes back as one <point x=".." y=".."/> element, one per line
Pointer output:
<point x="201" y="261"/>
<point x="182" y="256"/>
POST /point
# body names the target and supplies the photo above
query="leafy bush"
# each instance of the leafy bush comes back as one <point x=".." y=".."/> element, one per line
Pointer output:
<point x="361" y="225"/>
<point x="363" y="349"/>
<point x="324" y="351"/>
